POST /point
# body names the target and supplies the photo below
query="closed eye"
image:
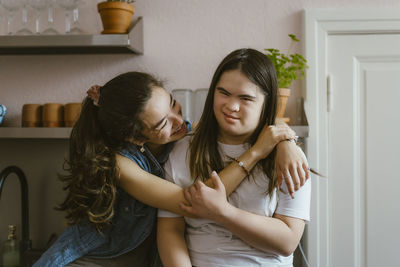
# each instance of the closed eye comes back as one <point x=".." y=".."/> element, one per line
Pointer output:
<point x="223" y="91"/>
<point x="165" y="123"/>
<point x="247" y="98"/>
<point x="173" y="104"/>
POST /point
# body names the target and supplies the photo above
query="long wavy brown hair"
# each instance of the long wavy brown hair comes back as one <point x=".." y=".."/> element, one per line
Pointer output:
<point x="100" y="132"/>
<point x="204" y="154"/>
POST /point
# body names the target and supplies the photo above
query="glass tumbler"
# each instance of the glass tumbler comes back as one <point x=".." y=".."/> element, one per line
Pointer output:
<point x="184" y="97"/>
<point x="200" y="96"/>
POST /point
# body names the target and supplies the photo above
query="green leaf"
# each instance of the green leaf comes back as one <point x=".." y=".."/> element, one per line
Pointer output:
<point x="288" y="67"/>
<point x="294" y="38"/>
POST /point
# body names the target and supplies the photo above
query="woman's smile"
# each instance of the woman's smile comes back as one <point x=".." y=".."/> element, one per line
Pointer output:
<point x="230" y="118"/>
<point x="181" y="130"/>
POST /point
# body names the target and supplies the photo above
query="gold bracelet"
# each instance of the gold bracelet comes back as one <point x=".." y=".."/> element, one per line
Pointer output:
<point x="240" y="163"/>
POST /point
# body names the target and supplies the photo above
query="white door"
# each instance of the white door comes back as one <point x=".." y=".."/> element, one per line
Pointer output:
<point x="363" y="149"/>
<point x="353" y="108"/>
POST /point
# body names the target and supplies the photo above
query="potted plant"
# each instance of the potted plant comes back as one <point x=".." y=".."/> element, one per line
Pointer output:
<point x="289" y="67"/>
<point x="116" y="15"/>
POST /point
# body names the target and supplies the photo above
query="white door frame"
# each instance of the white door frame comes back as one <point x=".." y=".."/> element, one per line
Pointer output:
<point x="318" y="24"/>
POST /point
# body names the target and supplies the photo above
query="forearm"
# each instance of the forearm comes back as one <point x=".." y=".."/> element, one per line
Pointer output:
<point x="171" y="242"/>
<point x="233" y="174"/>
<point x="264" y="233"/>
<point x="162" y="194"/>
<point x="291" y="166"/>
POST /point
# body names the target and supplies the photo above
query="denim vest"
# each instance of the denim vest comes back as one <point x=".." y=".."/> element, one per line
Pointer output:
<point x="131" y="224"/>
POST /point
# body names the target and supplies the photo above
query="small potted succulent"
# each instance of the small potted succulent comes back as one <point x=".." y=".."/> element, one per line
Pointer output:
<point x="116" y="15"/>
<point x="289" y="67"/>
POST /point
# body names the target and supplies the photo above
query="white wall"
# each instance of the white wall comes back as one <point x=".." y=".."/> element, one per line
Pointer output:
<point x="183" y="40"/>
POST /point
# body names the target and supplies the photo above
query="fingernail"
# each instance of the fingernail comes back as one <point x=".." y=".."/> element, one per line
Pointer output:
<point x="292" y="195"/>
<point x="214" y="173"/>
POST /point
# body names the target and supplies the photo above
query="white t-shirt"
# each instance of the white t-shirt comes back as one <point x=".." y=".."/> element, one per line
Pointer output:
<point x="209" y="243"/>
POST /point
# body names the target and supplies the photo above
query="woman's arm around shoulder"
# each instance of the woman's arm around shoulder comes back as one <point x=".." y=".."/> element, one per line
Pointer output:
<point x="159" y="193"/>
<point x="148" y="188"/>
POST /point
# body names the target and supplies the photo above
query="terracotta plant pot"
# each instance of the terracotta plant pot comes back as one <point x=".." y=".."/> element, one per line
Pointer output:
<point x="283" y="95"/>
<point x="115" y="16"/>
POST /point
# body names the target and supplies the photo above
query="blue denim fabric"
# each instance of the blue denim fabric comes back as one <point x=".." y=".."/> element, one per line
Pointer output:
<point x="131" y="225"/>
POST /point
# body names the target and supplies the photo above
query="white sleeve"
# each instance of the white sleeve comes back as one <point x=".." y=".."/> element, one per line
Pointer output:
<point x="299" y="207"/>
<point x="169" y="177"/>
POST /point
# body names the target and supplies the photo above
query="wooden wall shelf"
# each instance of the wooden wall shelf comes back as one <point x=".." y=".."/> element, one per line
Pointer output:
<point x="34" y="133"/>
<point x="131" y="43"/>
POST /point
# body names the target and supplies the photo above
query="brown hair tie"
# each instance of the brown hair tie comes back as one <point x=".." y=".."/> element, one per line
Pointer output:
<point x="94" y="94"/>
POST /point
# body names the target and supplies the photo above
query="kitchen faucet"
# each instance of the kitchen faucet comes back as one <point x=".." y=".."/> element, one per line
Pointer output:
<point x="26" y="243"/>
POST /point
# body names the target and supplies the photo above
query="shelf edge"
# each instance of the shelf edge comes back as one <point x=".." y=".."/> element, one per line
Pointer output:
<point x="34" y="133"/>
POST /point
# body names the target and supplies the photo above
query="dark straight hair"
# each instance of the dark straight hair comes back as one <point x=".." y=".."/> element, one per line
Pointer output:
<point x="204" y="153"/>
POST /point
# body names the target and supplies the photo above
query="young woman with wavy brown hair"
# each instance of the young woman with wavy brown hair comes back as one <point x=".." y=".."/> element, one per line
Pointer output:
<point x="114" y="183"/>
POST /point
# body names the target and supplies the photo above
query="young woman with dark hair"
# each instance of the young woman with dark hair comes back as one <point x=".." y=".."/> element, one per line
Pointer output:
<point x="124" y="134"/>
<point x="259" y="224"/>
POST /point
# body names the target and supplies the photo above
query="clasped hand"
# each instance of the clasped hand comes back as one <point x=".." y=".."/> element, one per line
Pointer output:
<point x="204" y="201"/>
<point x="291" y="164"/>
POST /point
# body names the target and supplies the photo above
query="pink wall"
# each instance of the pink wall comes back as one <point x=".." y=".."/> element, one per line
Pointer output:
<point x="183" y="40"/>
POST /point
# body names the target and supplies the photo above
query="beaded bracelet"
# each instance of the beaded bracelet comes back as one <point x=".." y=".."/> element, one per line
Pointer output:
<point x="240" y="163"/>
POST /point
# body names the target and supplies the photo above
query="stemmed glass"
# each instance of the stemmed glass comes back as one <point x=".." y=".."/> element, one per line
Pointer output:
<point x="2" y="17"/>
<point x="39" y="6"/>
<point x="71" y="6"/>
<point x="75" y="25"/>
<point x="50" y="19"/>
<point x="11" y="6"/>
<point x="24" y="30"/>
